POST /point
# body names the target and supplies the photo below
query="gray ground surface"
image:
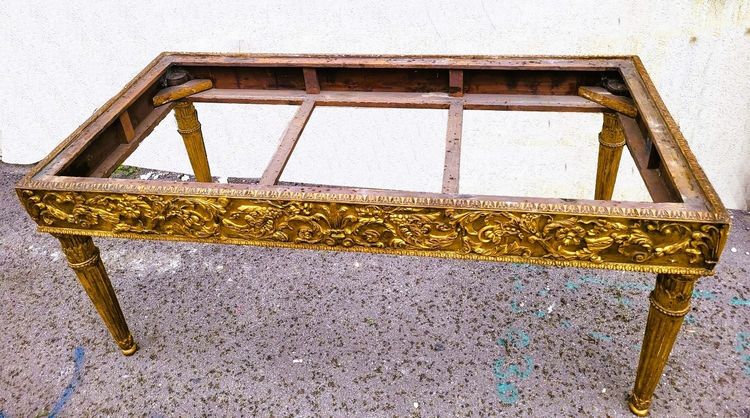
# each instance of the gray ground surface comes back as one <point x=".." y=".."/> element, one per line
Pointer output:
<point x="231" y="330"/>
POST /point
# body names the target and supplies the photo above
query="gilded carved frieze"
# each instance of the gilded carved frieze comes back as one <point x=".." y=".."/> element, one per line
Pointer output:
<point x="489" y="234"/>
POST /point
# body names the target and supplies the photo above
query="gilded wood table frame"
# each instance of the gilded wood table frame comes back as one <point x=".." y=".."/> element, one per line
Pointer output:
<point x="679" y="236"/>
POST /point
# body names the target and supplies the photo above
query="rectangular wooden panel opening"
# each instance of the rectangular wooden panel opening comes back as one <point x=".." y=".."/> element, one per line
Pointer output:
<point x="381" y="148"/>
<point x="538" y="154"/>
<point x="240" y="140"/>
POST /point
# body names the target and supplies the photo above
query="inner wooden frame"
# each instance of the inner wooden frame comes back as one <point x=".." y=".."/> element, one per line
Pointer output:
<point x="682" y="195"/>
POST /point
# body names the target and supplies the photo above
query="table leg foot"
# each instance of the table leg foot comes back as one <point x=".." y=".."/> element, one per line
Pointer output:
<point x="670" y="302"/>
<point x="131" y="349"/>
<point x="83" y="258"/>
<point x="638" y="406"/>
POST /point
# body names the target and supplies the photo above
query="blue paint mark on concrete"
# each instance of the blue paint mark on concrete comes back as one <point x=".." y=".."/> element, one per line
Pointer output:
<point x="633" y="286"/>
<point x="540" y="314"/>
<point x="514" y="307"/>
<point x="503" y="372"/>
<point x="2" y="414"/>
<point x="734" y="302"/>
<point x="508" y="373"/>
<point x="600" y="336"/>
<point x="625" y="301"/>
<point x="571" y="285"/>
<point x="703" y="294"/>
<point x="574" y="285"/>
<point x="690" y="319"/>
<point x="75" y="380"/>
<point x="514" y="336"/>
<point x="542" y="292"/>
<point x="518" y="285"/>
<point x="743" y="346"/>
<point x="746" y="361"/>
<point x="622" y="286"/>
<point x="591" y="280"/>
<point x="566" y="324"/>
<point x="743" y="342"/>
<point x="507" y="392"/>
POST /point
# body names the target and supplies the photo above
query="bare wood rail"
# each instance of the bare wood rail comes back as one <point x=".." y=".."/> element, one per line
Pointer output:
<point x="452" y="168"/>
<point x="403" y="100"/>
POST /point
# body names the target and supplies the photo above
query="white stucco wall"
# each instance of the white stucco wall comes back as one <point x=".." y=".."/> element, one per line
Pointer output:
<point x="63" y="59"/>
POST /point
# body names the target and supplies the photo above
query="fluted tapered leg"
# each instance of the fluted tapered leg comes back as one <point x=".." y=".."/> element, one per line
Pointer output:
<point x="611" y="141"/>
<point x="670" y="302"/>
<point x="83" y="258"/>
<point x="190" y="128"/>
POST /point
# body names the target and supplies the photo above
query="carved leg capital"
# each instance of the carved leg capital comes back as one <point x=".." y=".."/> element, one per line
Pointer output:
<point x="83" y="258"/>
<point x="670" y="302"/>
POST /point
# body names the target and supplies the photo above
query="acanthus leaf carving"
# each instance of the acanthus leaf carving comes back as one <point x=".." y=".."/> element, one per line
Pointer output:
<point x="462" y="231"/>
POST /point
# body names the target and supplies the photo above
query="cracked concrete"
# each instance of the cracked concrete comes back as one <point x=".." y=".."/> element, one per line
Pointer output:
<point x="240" y="331"/>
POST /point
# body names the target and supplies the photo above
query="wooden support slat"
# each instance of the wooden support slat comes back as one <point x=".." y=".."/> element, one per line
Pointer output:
<point x="288" y="142"/>
<point x="127" y="126"/>
<point x="363" y="61"/>
<point x="676" y="166"/>
<point x="456" y="83"/>
<point x="548" y="103"/>
<point x="122" y="152"/>
<point x="312" y="85"/>
<point x="543" y="103"/>
<point x="452" y="167"/>
<point x="605" y="98"/>
<point x="171" y="94"/>
<point x="658" y="185"/>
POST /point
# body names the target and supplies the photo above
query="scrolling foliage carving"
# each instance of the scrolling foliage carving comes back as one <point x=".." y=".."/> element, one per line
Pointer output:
<point x="461" y="232"/>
